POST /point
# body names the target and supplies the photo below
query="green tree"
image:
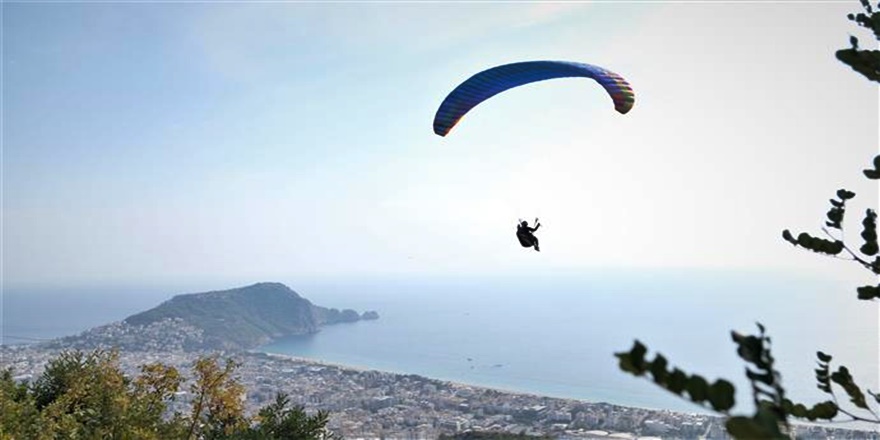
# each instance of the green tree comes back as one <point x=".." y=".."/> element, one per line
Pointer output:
<point x="18" y="413"/>
<point x="218" y="410"/>
<point x="772" y="409"/>
<point x="279" y="421"/>
<point x="87" y="396"/>
<point x="152" y="391"/>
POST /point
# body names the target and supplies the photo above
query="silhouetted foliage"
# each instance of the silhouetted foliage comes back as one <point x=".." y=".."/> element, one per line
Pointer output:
<point x="772" y="409"/>
<point x="718" y="396"/>
<point x="836" y="245"/>
<point x="866" y="62"/>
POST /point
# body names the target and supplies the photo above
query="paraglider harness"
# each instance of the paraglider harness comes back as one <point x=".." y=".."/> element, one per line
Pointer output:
<point x="524" y="234"/>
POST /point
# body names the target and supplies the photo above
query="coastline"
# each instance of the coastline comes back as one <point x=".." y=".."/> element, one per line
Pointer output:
<point x="368" y="403"/>
<point x="455" y="383"/>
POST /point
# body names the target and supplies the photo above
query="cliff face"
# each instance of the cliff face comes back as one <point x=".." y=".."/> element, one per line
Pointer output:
<point x="335" y="316"/>
<point x="245" y="317"/>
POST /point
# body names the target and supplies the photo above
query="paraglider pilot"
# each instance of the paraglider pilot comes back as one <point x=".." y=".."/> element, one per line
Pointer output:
<point x="525" y="236"/>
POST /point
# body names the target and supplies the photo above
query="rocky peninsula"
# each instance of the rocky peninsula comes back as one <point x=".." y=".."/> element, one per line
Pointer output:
<point x="236" y="319"/>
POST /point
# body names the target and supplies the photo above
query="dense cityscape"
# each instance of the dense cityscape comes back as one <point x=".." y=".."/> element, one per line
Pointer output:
<point x="379" y="405"/>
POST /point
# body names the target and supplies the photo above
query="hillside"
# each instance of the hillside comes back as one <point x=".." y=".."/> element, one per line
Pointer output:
<point x="240" y="318"/>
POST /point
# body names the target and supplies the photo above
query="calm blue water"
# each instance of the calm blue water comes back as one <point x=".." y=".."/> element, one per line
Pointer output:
<point x="32" y="314"/>
<point x="551" y="335"/>
<point x="557" y="335"/>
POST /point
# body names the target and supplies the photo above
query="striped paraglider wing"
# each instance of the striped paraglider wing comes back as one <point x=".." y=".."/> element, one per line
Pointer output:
<point x="489" y="83"/>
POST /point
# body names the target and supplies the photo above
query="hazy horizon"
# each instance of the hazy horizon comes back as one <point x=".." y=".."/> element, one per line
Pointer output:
<point x="553" y="336"/>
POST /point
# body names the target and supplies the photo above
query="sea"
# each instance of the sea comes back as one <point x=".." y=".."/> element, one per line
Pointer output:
<point x="552" y="335"/>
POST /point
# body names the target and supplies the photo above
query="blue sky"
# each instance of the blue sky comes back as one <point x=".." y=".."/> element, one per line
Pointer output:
<point x="181" y="141"/>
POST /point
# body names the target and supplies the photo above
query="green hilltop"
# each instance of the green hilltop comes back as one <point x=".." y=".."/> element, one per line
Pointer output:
<point x="246" y="317"/>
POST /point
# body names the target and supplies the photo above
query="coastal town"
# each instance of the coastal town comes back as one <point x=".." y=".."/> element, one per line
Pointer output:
<point x="368" y="404"/>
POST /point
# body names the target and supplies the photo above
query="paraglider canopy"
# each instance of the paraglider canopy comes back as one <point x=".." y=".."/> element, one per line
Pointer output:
<point x="491" y="82"/>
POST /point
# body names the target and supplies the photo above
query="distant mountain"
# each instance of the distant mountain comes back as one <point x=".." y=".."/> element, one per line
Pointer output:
<point x="233" y="319"/>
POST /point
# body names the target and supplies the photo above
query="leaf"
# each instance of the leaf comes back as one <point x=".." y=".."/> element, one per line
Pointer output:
<point x="823" y="379"/>
<point x="786" y="235"/>
<point x="805" y="240"/>
<point x="658" y="369"/>
<point x="698" y="388"/>
<point x="832" y="247"/>
<point x="825" y="410"/>
<point x="845" y="195"/>
<point x="835" y="215"/>
<point x="750" y="347"/>
<point x="822" y="374"/>
<point x="872" y="174"/>
<point x="865" y="62"/>
<point x="869" y="233"/>
<point x="677" y="381"/>
<point x="638" y="351"/>
<point x="799" y="410"/>
<point x="721" y="395"/>
<point x="625" y="363"/>
<point x="766" y="378"/>
<point x="764" y="425"/>
<point x="868" y="292"/>
<point x="744" y="428"/>
<point x="870" y="217"/>
<point x="843" y="378"/>
<point x="634" y="360"/>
